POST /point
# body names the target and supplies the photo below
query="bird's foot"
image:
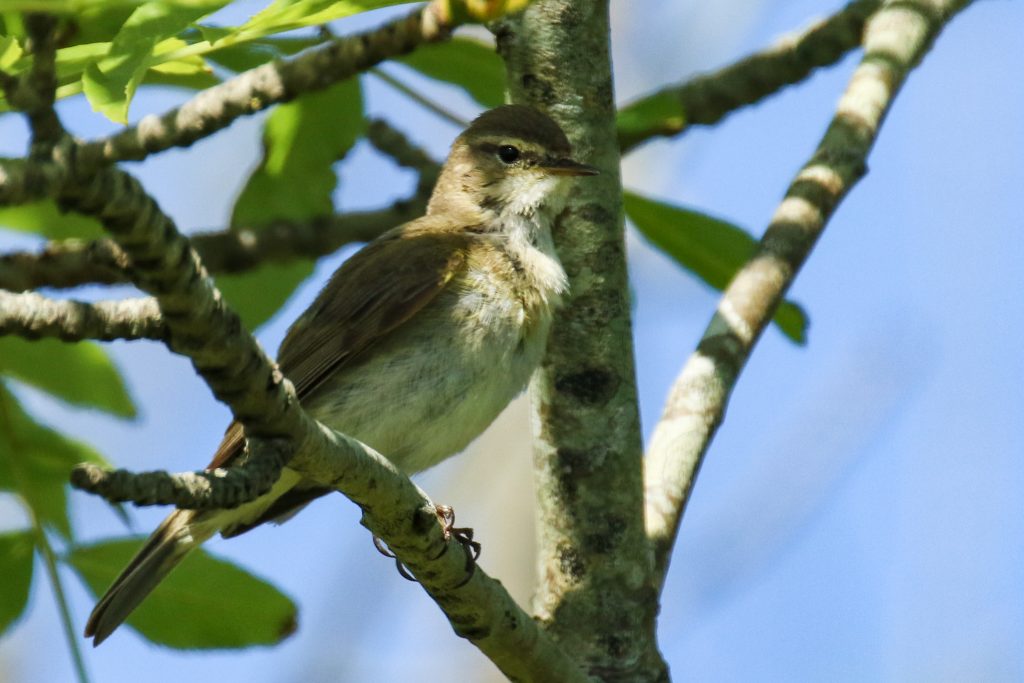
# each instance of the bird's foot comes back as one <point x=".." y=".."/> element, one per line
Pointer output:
<point x="463" y="536"/>
<point x="384" y="550"/>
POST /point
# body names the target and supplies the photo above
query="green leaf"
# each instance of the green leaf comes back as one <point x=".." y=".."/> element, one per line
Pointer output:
<point x="80" y="373"/>
<point x="302" y="140"/>
<point x="205" y="603"/>
<point x="792" y="320"/>
<point x="100" y="23"/>
<point x="661" y="111"/>
<point x="10" y="51"/>
<point x="285" y="15"/>
<point x="16" y="558"/>
<point x="214" y="34"/>
<point x="712" y="249"/>
<point x="110" y="83"/>
<point x="473" y="66"/>
<point x="170" y="74"/>
<point x="35" y="462"/>
<point x="71" y="61"/>
<point x="109" y="68"/>
<point x="188" y="72"/>
<point x="69" y="7"/>
<point x="45" y="219"/>
<point x="11" y="23"/>
<point x="164" y="67"/>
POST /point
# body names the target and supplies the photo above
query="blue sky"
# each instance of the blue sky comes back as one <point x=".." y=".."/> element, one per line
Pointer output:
<point x="859" y="514"/>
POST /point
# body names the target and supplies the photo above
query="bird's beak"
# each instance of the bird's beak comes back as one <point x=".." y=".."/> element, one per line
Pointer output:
<point x="567" y="167"/>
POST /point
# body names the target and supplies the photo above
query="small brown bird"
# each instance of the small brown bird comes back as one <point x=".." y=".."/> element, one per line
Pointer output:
<point x="418" y="341"/>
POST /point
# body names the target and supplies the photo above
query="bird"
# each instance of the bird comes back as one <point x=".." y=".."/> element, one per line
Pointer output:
<point x="418" y="341"/>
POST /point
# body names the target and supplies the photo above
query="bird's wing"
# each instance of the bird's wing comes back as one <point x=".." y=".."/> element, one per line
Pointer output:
<point x="362" y="305"/>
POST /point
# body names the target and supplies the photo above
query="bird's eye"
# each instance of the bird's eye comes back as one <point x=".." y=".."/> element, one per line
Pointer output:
<point x="508" y="154"/>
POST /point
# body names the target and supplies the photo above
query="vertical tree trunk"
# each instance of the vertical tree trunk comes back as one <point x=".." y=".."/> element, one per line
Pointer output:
<point x="595" y="563"/>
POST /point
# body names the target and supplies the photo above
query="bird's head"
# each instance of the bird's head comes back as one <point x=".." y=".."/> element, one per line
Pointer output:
<point x="512" y="159"/>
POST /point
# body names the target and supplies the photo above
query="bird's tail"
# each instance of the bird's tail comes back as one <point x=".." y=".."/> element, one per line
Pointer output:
<point x="182" y="531"/>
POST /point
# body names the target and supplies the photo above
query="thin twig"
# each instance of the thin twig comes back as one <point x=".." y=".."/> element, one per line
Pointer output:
<point x="896" y="39"/>
<point x="63" y="264"/>
<point x="419" y="98"/>
<point x="205" y="490"/>
<point x="16" y="469"/>
<point x="388" y="140"/>
<point x="32" y="315"/>
<point x="708" y="98"/>
<point x="234" y="251"/>
<point x="70" y="633"/>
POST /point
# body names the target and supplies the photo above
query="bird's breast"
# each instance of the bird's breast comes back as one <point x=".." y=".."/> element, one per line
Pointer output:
<point x="515" y="275"/>
<point x="442" y="378"/>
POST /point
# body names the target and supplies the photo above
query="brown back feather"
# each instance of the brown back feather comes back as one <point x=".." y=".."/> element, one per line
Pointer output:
<point x="360" y="306"/>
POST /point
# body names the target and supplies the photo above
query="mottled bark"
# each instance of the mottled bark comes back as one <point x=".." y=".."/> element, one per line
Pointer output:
<point x="205" y="490"/>
<point x="34" y="316"/>
<point x="594" y="593"/>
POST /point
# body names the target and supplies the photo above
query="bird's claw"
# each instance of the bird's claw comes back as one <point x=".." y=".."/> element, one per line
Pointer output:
<point x="384" y="550"/>
<point x="463" y="536"/>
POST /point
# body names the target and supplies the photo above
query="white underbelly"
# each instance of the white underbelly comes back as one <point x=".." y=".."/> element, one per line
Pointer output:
<point x="423" y="396"/>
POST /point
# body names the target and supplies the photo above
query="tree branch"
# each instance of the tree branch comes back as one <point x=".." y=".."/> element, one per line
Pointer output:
<point x="32" y="315"/>
<point x="40" y="83"/>
<point x="238" y="250"/>
<point x="203" y="490"/>
<point x="388" y="140"/>
<point x="72" y="263"/>
<point x="896" y="38"/>
<point x="707" y="99"/>
<point x="420" y="99"/>
<point x="594" y="559"/>
<point x="63" y="264"/>
<point x="22" y="181"/>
